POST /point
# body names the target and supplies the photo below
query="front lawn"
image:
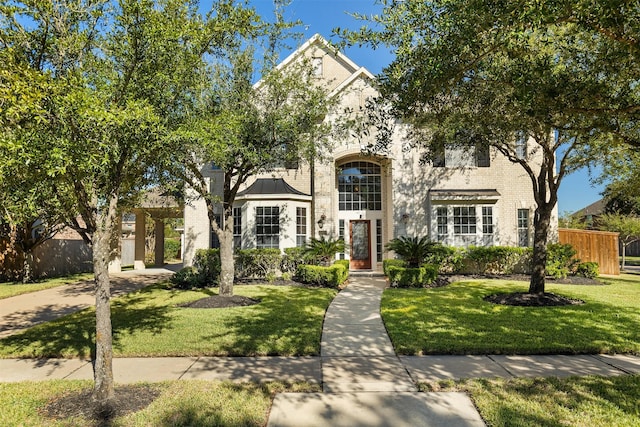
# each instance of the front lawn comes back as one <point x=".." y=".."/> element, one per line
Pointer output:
<point x="12" y="289"/>
<point x="535" y="402"/>
<point x="178" y="403"/>
<point x="287" y="321"/>
<point x="455" y="320"/>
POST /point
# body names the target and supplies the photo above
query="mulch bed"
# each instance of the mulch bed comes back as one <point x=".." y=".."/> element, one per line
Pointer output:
<point x="129" y="399"/>
<point x="525" y="299"/>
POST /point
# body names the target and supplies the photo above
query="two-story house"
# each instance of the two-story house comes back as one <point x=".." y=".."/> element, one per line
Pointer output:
<point x="475" y="197"/>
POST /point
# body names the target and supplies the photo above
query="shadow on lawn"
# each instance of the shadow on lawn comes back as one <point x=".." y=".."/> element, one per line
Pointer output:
<point x="74" y="335"/>
<point x="456" y="320"/>
<point x="287" y="321"/>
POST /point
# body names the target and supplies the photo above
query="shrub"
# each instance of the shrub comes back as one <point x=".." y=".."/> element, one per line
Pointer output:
<point x="258" y="263"/>
<point x="171" y="249"/>
<point x="292" y="258"/>
<point x="344" y="262"/>
<point x="332" y="276"/>
<point x="188" y="278"/>
<point x="323" y="251"/>
<point x="590" y="270"/>
<point x="493" y="259"/>
<point x="392" y="262"/>
<point x="207" y="263"/>
<point x="560" y="260"/>
<point x="403" y="277"/>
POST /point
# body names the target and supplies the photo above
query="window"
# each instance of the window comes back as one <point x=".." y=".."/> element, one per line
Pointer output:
<point x="483" y="159"/>
<point x="301" y="226"/>
<point x="379" y="240"/>
<point x="521" y="145"/>
<point x="237" y="228"/>
<point x="360" y="187"/>
<point x="441" y="219"/>
<point x="268" y="227"/>
<point x="523" y="227"/>
<point x="487" y="220"/>
<point x="464" y="220"/>
<point x="316" y="63"/>
<point x="454" y="156"/>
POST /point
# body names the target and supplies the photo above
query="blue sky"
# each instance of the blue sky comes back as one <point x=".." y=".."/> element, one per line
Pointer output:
<point x="322" y="16"/>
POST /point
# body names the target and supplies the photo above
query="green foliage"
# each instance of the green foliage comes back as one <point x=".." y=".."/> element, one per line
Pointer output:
<point x="405" y="277"/>
<point x="343" y="262"/>
<point x="392" y="262"/>
<point x="560" y="260"/>
<point x="207" y="263"/>
<point x="494" y="259"/>
<point x="188" y="278"/>
<point x="332" y="276"/>
<point x="292" y="258"/>
<point x="590" y="270"/>
<point x="323" y="251"/>
<point x="415" y="250"/>
<point x="258" y="263"/>
<point x="171" y="249"/>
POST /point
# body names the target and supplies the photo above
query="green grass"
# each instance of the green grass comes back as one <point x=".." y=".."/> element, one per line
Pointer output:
<point x="179" y="403"/>
<point x="12" y="289"/>
<point x="535" y="402"/>
<point x="455" y="320"/>
<point x="631" y="260"/>
<point x="287" y="321"/>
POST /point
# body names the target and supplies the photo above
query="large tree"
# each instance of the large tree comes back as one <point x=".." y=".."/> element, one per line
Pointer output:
<point x="245" y="129"/>
<point x="560" y="75"/>
<point x="104" y="84"/>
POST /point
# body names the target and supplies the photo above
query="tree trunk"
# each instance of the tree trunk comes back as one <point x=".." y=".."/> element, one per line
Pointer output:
<point x="27" y="267"/>
<point x="227" y="267"/>
<point x="103" y="391"/>
<point x="624" y="256"/>
<point x="542" y="222"/>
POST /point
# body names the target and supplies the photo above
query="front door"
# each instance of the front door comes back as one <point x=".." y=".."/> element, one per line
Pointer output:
<point x="360" y="233"/>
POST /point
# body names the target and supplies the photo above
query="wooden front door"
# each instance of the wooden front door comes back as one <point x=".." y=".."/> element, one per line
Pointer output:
<point x="360" y="254"/>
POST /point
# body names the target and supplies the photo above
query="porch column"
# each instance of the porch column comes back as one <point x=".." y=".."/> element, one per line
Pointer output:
<point x="159" y="249"/>
<point x="138" y="263"/>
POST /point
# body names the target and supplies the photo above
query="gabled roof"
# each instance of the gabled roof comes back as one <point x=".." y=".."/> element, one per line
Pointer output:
<point x="317" y="39"/>
<point x="360" y="73"/>
<point x="595" y="208"/>
<point x="271" y="186"/>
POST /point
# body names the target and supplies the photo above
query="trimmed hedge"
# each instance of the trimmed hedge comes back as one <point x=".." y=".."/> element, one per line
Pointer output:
<point x="590" y="270"/>
<point x="292" y="258"/>
<point x="493" y="259"/>
<point x="260" y="263"/>
<point x="403" y="277"/>
<point x="332" y="276"/>
<point x="386" y="263"/>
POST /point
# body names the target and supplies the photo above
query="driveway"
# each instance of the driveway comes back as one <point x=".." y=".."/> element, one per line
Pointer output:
<point x="24" y="311"/>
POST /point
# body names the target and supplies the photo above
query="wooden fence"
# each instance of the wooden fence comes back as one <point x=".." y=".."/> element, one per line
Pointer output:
<point x="596" y="246"/>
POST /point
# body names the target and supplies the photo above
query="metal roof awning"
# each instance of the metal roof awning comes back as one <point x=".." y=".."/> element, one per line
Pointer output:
<point x="276" y="188"/>
<point x="453" y="195"/>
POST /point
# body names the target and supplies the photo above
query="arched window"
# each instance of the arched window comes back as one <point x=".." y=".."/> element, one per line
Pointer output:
<point x="360" y="187"/>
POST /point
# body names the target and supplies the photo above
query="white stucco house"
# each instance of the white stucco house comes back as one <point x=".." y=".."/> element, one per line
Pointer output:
<point x="468" y="198"/>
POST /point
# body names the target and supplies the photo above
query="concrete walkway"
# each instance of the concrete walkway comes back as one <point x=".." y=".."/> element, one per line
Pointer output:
<point x="364" y="383"/>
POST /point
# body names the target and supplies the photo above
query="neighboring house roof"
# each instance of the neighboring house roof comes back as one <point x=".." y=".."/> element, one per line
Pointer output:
<point x="272" y="187"/>
<point x="594" y="209"/>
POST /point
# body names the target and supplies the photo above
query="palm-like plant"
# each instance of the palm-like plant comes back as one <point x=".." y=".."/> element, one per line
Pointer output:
<point x="324" y="250"/>
<point x="414" y="250"/>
